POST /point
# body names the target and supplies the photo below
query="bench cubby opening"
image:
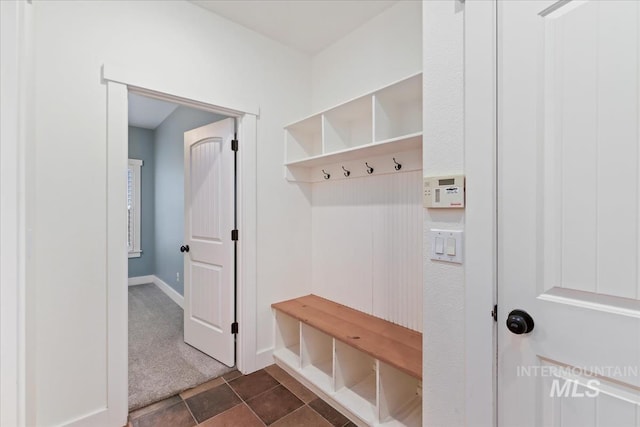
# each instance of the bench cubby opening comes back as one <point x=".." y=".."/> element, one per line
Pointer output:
<point x="317" y="357"/>
<point x="287" y="339"/>
<point x="399" y="398"/>
<point x="355" y="381"/>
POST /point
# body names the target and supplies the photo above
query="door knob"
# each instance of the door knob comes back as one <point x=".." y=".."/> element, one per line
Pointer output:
<point x="519" y="322"/>
<point x="184" y="248"/>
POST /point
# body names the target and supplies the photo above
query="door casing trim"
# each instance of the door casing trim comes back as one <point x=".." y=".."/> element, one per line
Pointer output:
<point x="480" y="148"/>
<point x="119" y="82"/>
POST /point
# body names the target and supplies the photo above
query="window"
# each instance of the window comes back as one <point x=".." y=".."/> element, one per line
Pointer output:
<point x="133" y="208"/>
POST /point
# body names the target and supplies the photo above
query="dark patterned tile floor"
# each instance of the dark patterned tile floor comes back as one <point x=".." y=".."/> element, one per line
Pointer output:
<point x="266" y="397"/>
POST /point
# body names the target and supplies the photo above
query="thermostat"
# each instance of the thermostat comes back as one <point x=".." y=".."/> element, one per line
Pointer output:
<point x="444" y="191"/>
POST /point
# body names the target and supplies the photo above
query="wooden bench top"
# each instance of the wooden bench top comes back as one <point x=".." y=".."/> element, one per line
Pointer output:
<point x="395" y="345"/>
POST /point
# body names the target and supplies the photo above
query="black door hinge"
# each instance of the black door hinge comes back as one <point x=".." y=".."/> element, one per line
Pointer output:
<point x="234" y="328"/>
<point x="234" y="145"/>
<point x="234" y="234"/>
<point x="494" y="313"/>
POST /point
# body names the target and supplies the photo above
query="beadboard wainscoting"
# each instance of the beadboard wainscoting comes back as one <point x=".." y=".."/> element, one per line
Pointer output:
<point x="367" y="245"/>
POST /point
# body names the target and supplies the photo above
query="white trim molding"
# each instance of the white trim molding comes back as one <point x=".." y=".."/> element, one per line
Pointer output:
<point x="120" y="81"/>
<point x="143" y="82"/>
<point x="480" y="213"/>
<point x="264" y="358"/>
<point x="9" y="213"/>
<point x="141" y="280"/>
<point x="169" y="291"/>
<point x="16" y="60"/>
<point x="246" y="303"/>
<point x="117" y="295"/>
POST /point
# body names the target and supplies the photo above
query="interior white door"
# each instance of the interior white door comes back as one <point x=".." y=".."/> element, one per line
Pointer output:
<point x="568" y="209"/>
<point x="208" y="220"/>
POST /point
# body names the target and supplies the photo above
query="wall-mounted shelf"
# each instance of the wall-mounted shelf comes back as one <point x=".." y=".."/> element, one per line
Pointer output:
<point x="383" y="123"/>
<point x="389" y="146"/>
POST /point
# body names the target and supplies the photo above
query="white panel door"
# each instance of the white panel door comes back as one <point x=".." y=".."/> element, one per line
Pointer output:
<point x="568" y="209"/>
<point x="208" y="220"/>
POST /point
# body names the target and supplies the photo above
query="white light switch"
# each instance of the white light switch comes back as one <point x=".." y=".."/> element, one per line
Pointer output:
<point x="451" y="246"/>
<point x="446" y="245"/>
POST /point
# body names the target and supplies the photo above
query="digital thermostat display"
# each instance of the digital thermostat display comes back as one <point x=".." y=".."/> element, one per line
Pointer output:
<point x="444" y="192"/>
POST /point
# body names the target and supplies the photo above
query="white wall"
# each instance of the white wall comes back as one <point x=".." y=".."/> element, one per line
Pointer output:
<point x="201" y="53"/>
<point x="443" y="153"/>
<point x="385" y="49"/>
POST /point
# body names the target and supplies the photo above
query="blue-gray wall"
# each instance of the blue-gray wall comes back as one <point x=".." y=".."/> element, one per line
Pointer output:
<point x="141" y="144"/>
<point x="169" y="191"/>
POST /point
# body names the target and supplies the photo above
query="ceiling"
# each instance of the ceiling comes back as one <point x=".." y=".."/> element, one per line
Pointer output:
<point x="148" y="113"/>
<point x="305" y="25"/>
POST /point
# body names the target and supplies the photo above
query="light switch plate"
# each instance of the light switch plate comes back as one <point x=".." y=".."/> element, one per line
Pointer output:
<point x="443" y="237"/>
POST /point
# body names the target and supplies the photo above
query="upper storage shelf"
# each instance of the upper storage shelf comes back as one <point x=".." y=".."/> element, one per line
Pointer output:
<point x="385" y="122"/>
<point x="398" y="109"/>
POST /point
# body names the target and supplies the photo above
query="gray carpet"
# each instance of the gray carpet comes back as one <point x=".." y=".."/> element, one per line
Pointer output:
<point x="160" y="363"/>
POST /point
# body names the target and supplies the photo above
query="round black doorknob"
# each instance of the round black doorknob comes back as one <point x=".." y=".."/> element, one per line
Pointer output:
<point x="519" y="322"/>
<point x="184" y="248"/>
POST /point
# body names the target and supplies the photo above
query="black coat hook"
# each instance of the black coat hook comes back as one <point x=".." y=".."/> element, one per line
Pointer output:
<point x="326" y="175"/>
<point x="346" y="172"/>
<point x="398" y="166"/>
<point x="369" y="168"/>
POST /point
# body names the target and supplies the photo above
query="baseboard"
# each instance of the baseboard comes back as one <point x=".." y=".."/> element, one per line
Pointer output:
<point x="141" y="280"/>
<point x="98" y="417"/>
<point x="264" y="358"/>
<point x="171" y="293"/>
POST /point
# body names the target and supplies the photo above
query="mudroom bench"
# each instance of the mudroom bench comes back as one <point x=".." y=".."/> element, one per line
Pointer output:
<point x="368" y="368"/>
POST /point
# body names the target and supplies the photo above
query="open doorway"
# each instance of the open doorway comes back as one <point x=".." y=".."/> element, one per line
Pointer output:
<point x="166" y="142"/>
